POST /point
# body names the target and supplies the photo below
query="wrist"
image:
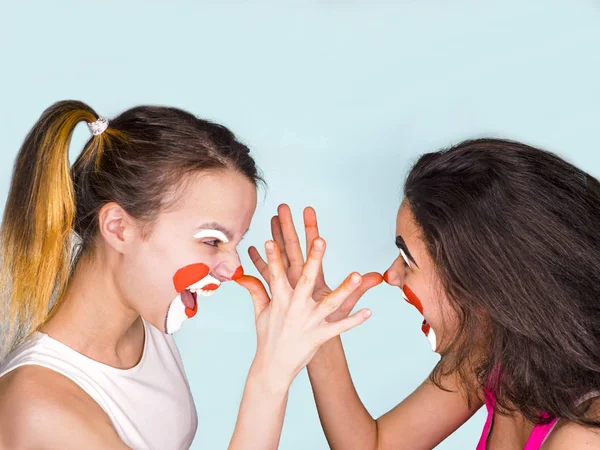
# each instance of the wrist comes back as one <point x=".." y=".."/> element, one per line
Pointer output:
<point x="267" y="378"/>
<point x="325" y="355"/>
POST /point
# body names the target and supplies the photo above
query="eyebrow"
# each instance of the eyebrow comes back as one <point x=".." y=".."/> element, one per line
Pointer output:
<point x="219" y="227"/>
<point x="402" y="246"/>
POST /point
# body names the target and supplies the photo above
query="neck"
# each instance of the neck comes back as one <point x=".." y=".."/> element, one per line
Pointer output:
<point x="93" y="317"/>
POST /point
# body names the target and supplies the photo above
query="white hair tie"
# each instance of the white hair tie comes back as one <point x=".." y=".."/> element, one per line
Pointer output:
<point x="98" y="127"/>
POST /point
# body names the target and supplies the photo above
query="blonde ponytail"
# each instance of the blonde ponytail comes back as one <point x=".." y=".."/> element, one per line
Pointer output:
<point x="36" y="232"/>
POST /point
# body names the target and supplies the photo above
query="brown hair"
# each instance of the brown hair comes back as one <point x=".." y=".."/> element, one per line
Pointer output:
<point x="514" y="233"/>
<point x="141" y="157"/>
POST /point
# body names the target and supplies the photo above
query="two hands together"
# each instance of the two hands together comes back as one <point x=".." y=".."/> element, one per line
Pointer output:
<point x="302" y="312"/>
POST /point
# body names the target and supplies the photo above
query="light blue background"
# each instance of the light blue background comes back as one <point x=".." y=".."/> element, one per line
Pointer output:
<point x="336" y="99"/>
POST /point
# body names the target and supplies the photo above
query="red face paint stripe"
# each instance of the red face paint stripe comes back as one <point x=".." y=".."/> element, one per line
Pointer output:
<point x="188" y="275"/>
<point x="239" y="273"/>
<point x="210" y="287"/>
<point x="412" y="298"/>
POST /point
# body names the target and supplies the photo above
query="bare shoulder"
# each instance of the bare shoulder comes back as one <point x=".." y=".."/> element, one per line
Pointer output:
<point x="569" y="435"/>
<point x="40" y="408"/>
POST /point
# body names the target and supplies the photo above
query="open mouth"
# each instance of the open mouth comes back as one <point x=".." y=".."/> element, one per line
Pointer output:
<point x="204" y="288"/>
<point x="189" y="296"/>
<point x="191" y="282"/>
<point x="411" y="298"/>
<point x="425" y="327"/>
<point x="190" y="301"/>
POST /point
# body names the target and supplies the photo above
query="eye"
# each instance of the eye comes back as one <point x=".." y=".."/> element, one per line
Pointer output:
<point x="405" y="258"/>
<point x="213" y="243"/>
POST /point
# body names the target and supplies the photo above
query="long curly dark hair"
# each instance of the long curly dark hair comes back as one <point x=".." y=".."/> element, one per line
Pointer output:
<point x="514" y="233"/>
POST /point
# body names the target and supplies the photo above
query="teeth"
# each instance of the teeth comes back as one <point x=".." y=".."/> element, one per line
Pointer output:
<point x="204" y="282"/>
<point x="404" y="296"/>
<point x="202" y="293"/>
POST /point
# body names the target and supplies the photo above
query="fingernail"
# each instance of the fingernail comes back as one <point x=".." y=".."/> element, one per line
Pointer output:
<point x="319" y="244"/>
<point x="355" y="279"/>
<point x="270" y="247"/>
<point x="367" y="314"/>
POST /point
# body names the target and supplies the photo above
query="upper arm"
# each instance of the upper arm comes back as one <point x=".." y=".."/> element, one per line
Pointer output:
<point x="425" y="418"/>
<point x="40" y="409"/>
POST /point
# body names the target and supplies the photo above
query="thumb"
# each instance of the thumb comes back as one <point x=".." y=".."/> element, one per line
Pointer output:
<point x="369" y="281"/>
<point x="257" y="291"/>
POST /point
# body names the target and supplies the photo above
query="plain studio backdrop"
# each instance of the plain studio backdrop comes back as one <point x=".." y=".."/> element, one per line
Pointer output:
<point x="336" y="100"/>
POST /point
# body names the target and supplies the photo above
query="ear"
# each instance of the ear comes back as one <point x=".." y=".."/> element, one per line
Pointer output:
<point x="117" y="227"/>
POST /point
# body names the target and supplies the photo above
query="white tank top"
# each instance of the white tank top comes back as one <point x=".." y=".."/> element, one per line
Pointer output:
<point x="150" y="405"/>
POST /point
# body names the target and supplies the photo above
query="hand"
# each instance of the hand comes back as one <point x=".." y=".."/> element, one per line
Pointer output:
<point x="291" y="326"/>
<point x="284" y="234"/>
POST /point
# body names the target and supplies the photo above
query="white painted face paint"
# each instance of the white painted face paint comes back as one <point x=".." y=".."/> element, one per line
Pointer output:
<point x="215" y="234"/>
<point x="432" y="339"/>
<point x="199" y="286"/>
<point x="178" y="312"/>
<point x="405" y="297"/>
<point x="405" y="258"/>
<point x="175" y="315"/>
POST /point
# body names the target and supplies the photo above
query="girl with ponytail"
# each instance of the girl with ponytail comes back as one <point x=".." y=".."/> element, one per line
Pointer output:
<point x="104" y="260"/>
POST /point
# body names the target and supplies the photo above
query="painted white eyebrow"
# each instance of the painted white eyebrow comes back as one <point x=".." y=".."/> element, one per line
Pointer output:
<point x="216" y="234"/>
<point x="405" y="257"/>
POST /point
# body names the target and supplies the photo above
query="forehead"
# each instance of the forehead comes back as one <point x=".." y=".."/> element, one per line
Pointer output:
<point x="227" y="198"/>
<point x="407" y="227"/>
<point x="405" y="223"/>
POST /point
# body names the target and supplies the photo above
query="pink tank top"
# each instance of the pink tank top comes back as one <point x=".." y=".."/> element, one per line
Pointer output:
<point x="536" y="438"/>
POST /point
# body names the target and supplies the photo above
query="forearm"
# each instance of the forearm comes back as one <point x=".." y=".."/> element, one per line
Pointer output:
<point x="345" y="420"/>
<point x="260" y="418"/>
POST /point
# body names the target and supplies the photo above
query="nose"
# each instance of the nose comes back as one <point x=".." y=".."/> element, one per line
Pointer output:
<point x="228" y="268"/>
<point x="395" y="274"/>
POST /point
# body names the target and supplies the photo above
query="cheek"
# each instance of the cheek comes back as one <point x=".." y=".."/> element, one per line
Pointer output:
<point x="146" y="283"/>
<point x="150" y="279"/>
